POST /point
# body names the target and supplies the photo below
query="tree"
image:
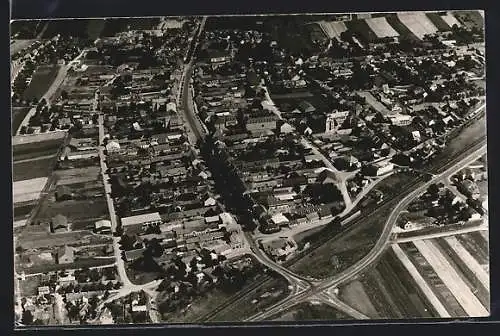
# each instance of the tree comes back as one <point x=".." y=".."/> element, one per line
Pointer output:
<point x="27" y="317"/>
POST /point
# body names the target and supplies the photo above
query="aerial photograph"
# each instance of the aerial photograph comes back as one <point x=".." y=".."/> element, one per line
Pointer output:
<point x="219" y="169"/>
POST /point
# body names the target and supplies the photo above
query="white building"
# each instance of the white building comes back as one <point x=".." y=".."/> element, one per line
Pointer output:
<point x="401" y="119"/>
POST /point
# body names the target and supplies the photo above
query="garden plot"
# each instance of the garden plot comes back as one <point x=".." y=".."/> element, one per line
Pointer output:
<point x="381" y="27"/>
<point x="28" y="190"/>
<point x="426" y="289"/>
<point x="418" y="23"/>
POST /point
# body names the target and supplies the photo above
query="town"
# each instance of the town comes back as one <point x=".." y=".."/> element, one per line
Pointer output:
<point x="206" y="169"/>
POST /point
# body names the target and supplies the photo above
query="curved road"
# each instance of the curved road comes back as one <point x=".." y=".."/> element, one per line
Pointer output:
<point x="377" y="250"/>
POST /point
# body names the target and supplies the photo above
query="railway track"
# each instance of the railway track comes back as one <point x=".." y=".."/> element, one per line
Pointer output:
<point x="237" y="298"/>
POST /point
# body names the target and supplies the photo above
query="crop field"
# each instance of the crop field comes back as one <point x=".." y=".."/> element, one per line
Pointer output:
<point x="439" y="21"/>
<point x="418" y="23"/>
<point x="28" y="190"/>
<point x="268" y="294"/>
<point x="78" y="264"/>
<point x="432" y="279"/>
<point x="22" y="210"/>
<point x="348" y="246"/>
<point x="381" y="27"/>
<point x="450" y="19"/>
<point x="477" y="245"/>
<point x="27" y="170"/>
<point x="451" y="275"/>
<point x="116" y="25"/>
<point x="471" y="272"/>
<point x="30" y="239"/>
<point x="77" y="175"/>
<point x="471" y="19"/>
<point x="402" y="29"/>
<point x="362" y="29"/>
<point x="307" y="311"/>
<point x="34" y="146"/>
<point x="74" y="210"/>
<point x="332" y="29"/>
<point x="355" y="295"/>
<point x="43" y="78"/>
<point x="29" y="287"/>
<point x="19" y="45"/>
<point x="18" y="115"/>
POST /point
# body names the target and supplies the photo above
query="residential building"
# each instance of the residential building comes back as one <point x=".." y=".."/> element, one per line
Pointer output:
<point x="138" y="222"/>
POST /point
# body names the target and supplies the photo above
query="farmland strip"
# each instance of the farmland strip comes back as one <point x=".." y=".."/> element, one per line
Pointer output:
<point x="470" y="261"/>
<point x="420" y="281"/>
<point x="445" y="271"/>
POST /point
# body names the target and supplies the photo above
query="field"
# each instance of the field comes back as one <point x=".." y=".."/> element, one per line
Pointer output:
<point x="74" y="210"/>
<point x="36" y="142"/>
<point x="403" y="31"/>
<point x="440" y="22"/>
<point x="432" y="278"/>
<point x="31" y="239"/>
<point x="270" y="293"/>
<point x="381" y="27"/>
<point x="42" y="79"/>
<point x="307" y="311"/>
<point x="29" y="287"/>
<point x="116" y="25"/>
<point x="28" y="190"/>
<point x="332" y="29"/>
<point x="471" y="19"/>
<point x="77" y="175"/>
<point x="22" y="210"/>
<point x="27" y="170"/>
<point x="18" y="114"/>
<point x="19" y="45"/>
<point x="418" y="23"/>
<point x="349" y="247"/>
<point x="199" y="307"/>
<point x="450" y="19"/>
<point x="78" y="264"/>
<point x="453" y="271"/>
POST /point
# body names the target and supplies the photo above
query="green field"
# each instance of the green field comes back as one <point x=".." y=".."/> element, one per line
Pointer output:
<point x="307" y="311"/>
<point x="18" y="115"/>
<point x="349" y="247"/>
<point x="437" y="21"/>
<point x="36" y="149"/>
<point x="79" y="264"/>
<point x="32" y="169"/>
<point x="43" y="77"/>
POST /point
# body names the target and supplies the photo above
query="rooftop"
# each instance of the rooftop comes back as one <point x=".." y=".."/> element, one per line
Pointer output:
<point x="140" y="219"/>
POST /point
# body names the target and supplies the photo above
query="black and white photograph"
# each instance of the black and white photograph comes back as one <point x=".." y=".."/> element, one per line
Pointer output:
<point x="249" y="168"/>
